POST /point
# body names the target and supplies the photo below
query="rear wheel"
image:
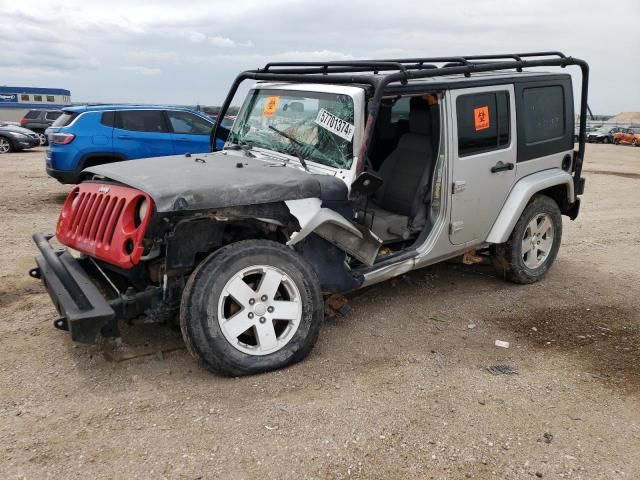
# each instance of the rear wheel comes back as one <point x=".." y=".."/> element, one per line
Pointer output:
<point x="634" y="142"/>
<point x="251" y="307"/>
<point x="606" y="140"/>
<point x="5" y="145"/>
<point x="42" y="138"/>
<point x="533" y="245"/>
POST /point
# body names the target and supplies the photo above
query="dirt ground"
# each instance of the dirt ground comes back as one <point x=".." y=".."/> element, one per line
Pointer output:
<point x="398" y="389"/>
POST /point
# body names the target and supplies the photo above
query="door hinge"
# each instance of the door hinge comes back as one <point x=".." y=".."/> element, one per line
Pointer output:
<point x="455" y="227"/>
<point x="459" y="186"/>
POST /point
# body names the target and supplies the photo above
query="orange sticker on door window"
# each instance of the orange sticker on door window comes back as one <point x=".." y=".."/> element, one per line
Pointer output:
<point x="271" y="106"/>
<point x="481" y="118"/>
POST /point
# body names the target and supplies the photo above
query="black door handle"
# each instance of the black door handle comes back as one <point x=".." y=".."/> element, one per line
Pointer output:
<point x="501" y="167"/>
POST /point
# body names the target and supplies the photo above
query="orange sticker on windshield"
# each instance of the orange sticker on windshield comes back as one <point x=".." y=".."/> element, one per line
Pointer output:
<point x="481" y="117"/>
<point x="271" y="106"/>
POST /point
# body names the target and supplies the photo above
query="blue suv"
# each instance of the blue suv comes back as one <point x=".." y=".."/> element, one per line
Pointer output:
<point x="92" y="135"/>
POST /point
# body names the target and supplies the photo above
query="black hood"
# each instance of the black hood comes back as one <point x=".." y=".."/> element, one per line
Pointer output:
<point x="217" y="180"/>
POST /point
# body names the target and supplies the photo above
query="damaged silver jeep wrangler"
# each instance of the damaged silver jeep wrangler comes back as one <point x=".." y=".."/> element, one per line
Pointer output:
<point x="334" y="176"/>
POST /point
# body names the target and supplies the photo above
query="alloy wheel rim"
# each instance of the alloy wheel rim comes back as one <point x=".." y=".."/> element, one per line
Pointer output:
<point x="42" y="138"/>
<point x="4" y="145"/>
<point x="537" y="241"/>
<point x="259" y="310"/>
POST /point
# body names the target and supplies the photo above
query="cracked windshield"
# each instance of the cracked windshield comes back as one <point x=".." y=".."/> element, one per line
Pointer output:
<point x="313" y="126"/>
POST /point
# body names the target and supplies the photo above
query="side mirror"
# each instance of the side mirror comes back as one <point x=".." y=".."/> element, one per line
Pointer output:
<point x="366" y="184"/>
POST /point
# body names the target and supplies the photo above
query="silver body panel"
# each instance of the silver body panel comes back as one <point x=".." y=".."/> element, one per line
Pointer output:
<point x="476" y="207"/>
<point x="468" y="182"/>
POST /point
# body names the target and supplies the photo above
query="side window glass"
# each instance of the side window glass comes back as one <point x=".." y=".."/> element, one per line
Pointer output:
<point x="53" y="115"/>
<point x="483" y="122"/>
<point x="400" y="110"/>
<point x="187" y="123"/>
<point x="141" y="120"/>
<point x="544" y="116"/>
<point x="108" y="118"/>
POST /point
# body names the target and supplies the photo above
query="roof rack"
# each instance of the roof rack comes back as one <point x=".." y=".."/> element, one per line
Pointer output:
<point x="380" y="73"/>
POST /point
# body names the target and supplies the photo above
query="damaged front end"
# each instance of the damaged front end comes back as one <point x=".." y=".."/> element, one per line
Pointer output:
<point x="135" y="261"/>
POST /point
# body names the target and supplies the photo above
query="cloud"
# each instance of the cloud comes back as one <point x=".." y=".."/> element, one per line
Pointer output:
<point x="222" y="42"/>
<point x="141" y="70"/>
<point x="194" y="52"/>
<point x="196" y="37"/>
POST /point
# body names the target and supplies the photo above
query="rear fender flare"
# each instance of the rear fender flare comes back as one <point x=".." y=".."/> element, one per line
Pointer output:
<point x="521" y="194"/>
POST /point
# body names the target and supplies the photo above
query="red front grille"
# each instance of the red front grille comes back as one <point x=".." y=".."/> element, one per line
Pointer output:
<point x="106" y="221"/>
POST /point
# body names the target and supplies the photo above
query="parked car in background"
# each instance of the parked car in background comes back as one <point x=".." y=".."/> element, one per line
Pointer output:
<point x="38" y="121"/>
<point x="14" y="138"/>
<point x="87" y="136"/>
<point x="589" y="130"/>
<point x="603" y="135"/>
<point x="627" y="136"/>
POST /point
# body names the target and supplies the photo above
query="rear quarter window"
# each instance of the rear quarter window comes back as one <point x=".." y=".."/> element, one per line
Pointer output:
<point x="544" y="117"/>
<point x="108" y="119"/>
<point x="65" y="119"/>
<point x="32" y="114"/>
<point x="52" y="115"/>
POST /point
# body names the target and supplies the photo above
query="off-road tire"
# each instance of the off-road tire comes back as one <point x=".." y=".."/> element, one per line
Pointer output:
<point x="199" y="308"/>
<point x="507" y="258"/>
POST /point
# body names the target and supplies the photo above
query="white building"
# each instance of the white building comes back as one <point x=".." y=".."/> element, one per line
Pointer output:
<point x="16" y="101"/>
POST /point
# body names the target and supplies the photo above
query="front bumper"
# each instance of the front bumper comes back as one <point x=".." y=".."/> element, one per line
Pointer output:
<point x="28" y="142"/>
<point x="83" y="310"/>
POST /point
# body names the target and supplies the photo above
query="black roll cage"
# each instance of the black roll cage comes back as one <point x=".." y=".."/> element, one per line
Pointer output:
<point x="368" y="72"/>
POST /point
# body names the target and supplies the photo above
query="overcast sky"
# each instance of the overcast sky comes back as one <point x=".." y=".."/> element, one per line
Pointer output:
<point x="189" y="52"/>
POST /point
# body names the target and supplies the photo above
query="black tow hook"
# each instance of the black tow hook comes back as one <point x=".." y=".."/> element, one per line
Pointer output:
<point x="61" y="324"/>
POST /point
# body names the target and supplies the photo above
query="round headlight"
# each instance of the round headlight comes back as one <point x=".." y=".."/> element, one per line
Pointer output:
<point x="143" y="207"/>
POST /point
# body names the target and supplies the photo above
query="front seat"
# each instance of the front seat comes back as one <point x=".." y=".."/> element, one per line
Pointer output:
<point x="398" y="207"/>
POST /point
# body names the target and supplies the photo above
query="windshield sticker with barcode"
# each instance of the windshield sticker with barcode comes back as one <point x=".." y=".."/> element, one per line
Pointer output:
<point x="335" y="125"/>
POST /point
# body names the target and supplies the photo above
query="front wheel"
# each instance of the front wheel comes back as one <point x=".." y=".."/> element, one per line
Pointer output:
<point x="634" y="142"/>
<point x="533" y="245"/>
<point x="251" y="307"/>
<point x="605" y="140"/>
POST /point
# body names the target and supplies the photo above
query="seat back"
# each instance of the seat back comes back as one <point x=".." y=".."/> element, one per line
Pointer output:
<point x="405" y="172"/>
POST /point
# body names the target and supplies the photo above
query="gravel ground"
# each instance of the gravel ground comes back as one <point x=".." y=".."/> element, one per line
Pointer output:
<point x="399" y="389"/>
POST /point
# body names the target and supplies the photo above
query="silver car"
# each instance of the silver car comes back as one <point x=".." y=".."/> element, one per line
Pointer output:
<point x="334" y="176"/>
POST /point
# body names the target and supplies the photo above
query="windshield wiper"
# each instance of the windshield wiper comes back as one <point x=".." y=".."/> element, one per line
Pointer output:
<point x="244" y="146"/>
<point x="296" y="142"/>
